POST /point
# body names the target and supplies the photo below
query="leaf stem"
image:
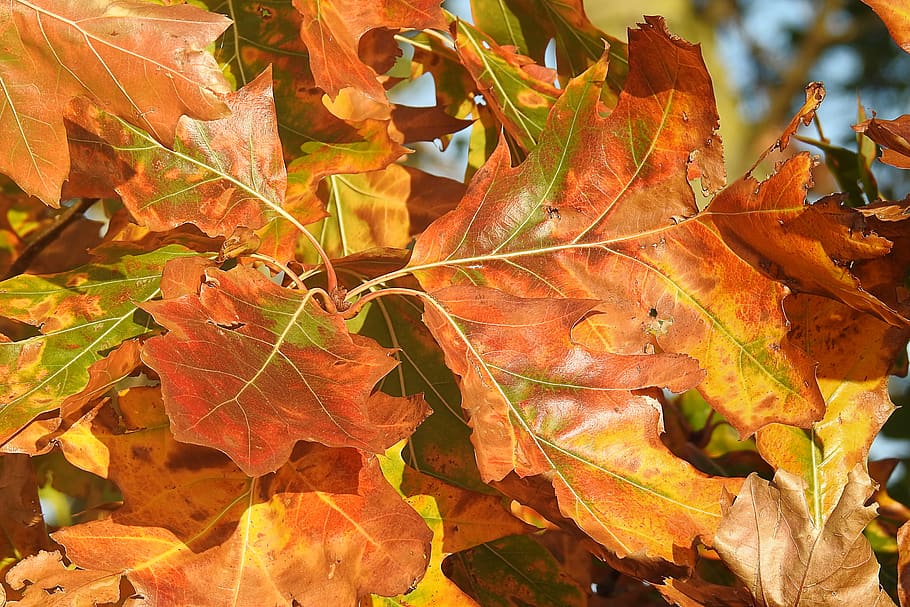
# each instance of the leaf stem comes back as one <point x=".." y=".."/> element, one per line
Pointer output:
<point x="271" y="261"/>
<point x="355" y="308"/>
<point x="331" y="279"/>
<point x="47" y="235"/>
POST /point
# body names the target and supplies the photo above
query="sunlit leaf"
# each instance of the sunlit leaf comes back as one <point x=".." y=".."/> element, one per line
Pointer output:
<point x="303" y="377"/>
<point x="221" y="173"/>
<point x="598" y="211"/>
<point x="540" y="404"/>
<point x="81" y="314"/>
<point x="194" y="529"/>
<point x="768" y="539"/>
<point x="144" y="63"/>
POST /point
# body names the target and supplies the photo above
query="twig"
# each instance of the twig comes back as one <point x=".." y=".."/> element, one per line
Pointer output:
<point x="47" y="235"/>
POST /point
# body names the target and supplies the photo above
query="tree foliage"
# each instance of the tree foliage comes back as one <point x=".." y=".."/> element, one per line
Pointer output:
<point x="289" y="368"/>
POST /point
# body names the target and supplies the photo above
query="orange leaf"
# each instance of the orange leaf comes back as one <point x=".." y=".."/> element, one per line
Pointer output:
<point x="539" y="404"/>
<point x="326" y="529"/>
<point x="302" y="375"/>
<point x="142" y="62"/>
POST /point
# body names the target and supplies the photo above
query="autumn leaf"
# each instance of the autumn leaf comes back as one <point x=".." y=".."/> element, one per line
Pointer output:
<point x="81" y="314"/>
<point x="221" y="173"/>
<point x="598" y="211"/>
<point x="518" y="90"/>
<point x="529" y="25"/>
<point x="332" y="31"/>
<point x="769" y="541"/>
<point x="896" y="17"/>
<point x="194" y="529"/>
<point x="303" y="377"/>
<point x="540" y="404"/>
<point x="892" y="135"/>
<point x="45" y="581"/>
<point x="144" y="63"/>
<point x="21" y="522"/>
<point x="855" y="352"/>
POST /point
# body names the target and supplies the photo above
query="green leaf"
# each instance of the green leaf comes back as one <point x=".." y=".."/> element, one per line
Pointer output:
<point x="81" y="313"/>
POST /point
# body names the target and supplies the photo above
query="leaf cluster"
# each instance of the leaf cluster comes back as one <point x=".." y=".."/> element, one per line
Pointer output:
<point x="256" y="356"/>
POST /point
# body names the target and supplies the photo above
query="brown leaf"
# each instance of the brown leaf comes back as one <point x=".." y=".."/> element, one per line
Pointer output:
<point x="903" y="564"/>
<point x="896" y="16"/>
<point x="893" y="135"/>
<point x="22" y="530"/>
<point x="46" y="582"/>
<point x="142" y="62"/>
<point x="769" y="541"/>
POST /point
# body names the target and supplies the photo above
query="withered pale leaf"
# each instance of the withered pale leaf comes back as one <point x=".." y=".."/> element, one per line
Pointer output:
<point x="769" y="541"/>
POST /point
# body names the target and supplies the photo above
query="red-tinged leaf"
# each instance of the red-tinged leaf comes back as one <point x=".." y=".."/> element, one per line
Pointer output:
<point x="896" y="16"/>
<point x="426" y="124"/>
<point x="854" y="353"/>
<point x="512" y="572"/>
<point x="332" y="30"/>
<point x="520" y="95"/>
<point x="45" y="581"/>
<point x="82" y="313"/>
<point x="141" y="62"/>
<point x="597" y="211"/>
<point x="303" y="377"/>
<point x="769" y="541"/>
<point x="893" y="135"/>
<point x="221" y="174"/>
<point x="326" y="529"/>
<point x="765" y="223"/>
<point x="21" y="523"/>
<point x="540" y="404"/>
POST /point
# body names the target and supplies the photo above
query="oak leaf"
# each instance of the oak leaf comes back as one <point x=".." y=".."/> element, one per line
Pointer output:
<point x="221" y="173"/>
<point x="81" y="314"/>
<point x="892" y="135"/>
<point x="769" y="540"/>
<point x="540" y="404"/>
<point x="332" y="31"/>
<point x="598" y="210"/>
<point x="896" y="16"/>
<point x="144" y="63"/>
<point x="303" y="377"/>
<point x="325" y="529"/>
<point x="45" y="581"/>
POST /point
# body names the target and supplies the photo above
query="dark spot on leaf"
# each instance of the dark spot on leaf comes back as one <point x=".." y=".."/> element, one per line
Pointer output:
<point x="232" y="326"/>
<point x="196" y="459"/>
<point x="652" y="312"/>
<point x="142" y="453"/>
<point x="552" y="212"/>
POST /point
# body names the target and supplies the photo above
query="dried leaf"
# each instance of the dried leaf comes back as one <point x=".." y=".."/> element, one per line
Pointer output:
<point x="46" y="582"/>
<point x="143" y="63"/>
<point x="768" y="539"/>
<point x="893" y="135"/>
